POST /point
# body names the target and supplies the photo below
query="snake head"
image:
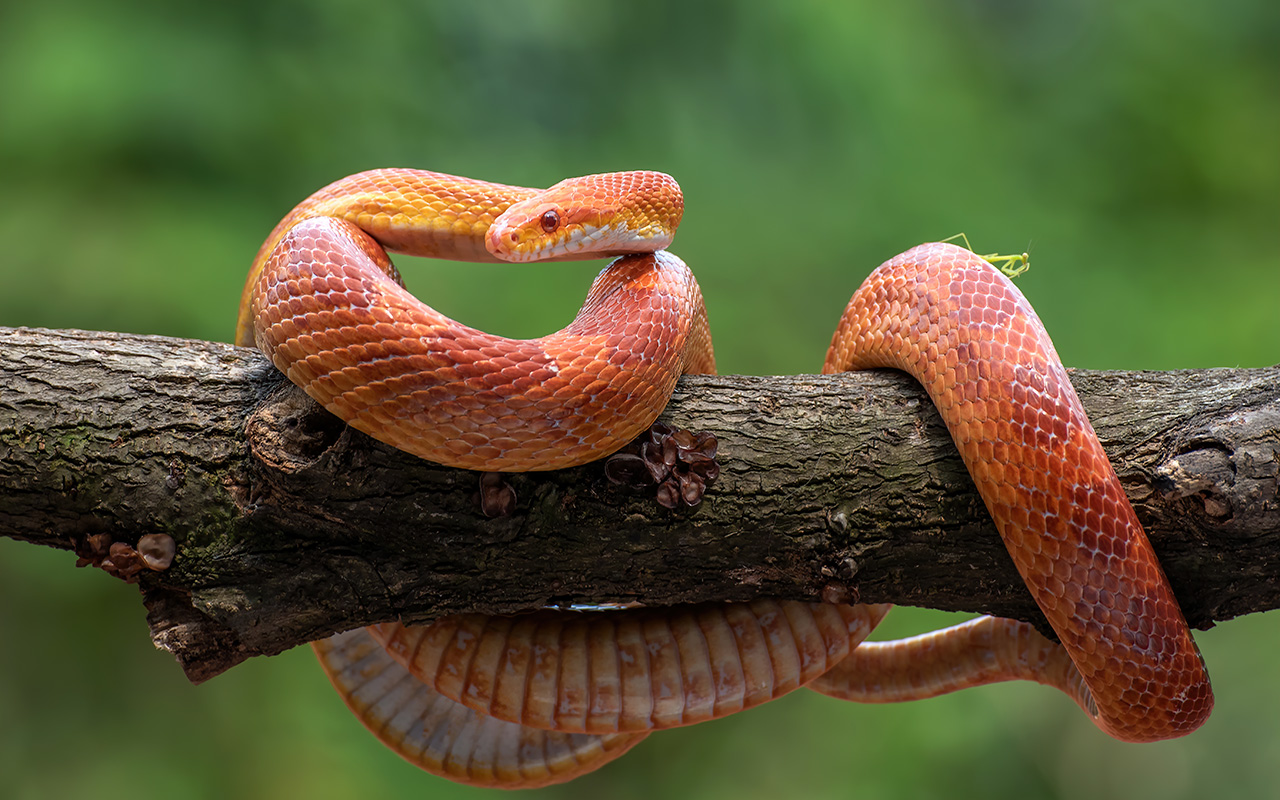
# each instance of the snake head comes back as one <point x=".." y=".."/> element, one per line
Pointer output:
<point x="589" y="217"/>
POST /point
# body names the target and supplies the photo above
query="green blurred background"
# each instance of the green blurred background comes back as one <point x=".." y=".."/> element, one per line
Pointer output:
<point x="146" y="148"/>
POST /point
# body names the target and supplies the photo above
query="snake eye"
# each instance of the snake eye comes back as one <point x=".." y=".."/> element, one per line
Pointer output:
<point x="550" y="221"/>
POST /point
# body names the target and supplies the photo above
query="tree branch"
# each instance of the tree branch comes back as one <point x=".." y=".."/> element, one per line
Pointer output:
<point x="291" y="526"/>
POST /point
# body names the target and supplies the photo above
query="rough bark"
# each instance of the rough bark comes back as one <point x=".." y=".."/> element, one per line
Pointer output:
<point x="291" y="526"/>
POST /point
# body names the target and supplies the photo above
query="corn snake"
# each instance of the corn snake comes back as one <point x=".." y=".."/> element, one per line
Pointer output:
<point x="538" y="699"/>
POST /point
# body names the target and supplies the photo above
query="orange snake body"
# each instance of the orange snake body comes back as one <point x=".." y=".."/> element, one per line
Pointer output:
<point x="541" y="698"/>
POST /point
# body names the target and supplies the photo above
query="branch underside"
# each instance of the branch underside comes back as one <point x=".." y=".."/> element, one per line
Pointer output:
<point x="291" y="526"/>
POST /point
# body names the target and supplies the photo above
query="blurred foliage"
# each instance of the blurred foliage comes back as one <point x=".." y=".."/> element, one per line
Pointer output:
<point x="147" y="147"/>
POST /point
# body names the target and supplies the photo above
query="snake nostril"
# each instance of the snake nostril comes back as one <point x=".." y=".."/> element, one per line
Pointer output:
<point x="515" y="237"/>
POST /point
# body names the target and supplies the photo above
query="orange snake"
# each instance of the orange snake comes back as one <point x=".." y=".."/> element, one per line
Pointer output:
<point x="537" y="699"/>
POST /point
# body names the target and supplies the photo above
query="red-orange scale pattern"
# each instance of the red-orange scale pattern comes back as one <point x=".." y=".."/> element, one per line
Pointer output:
<point x="533" y="700"/>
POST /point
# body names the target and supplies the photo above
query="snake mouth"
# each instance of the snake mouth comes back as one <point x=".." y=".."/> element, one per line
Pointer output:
<point x="519" y="244"/>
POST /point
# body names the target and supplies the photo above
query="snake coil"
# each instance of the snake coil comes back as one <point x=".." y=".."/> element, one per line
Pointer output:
<point x="541" y="698"/>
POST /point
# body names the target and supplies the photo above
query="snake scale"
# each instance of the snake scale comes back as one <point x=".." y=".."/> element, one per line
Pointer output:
<point x="541" y="698"/>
